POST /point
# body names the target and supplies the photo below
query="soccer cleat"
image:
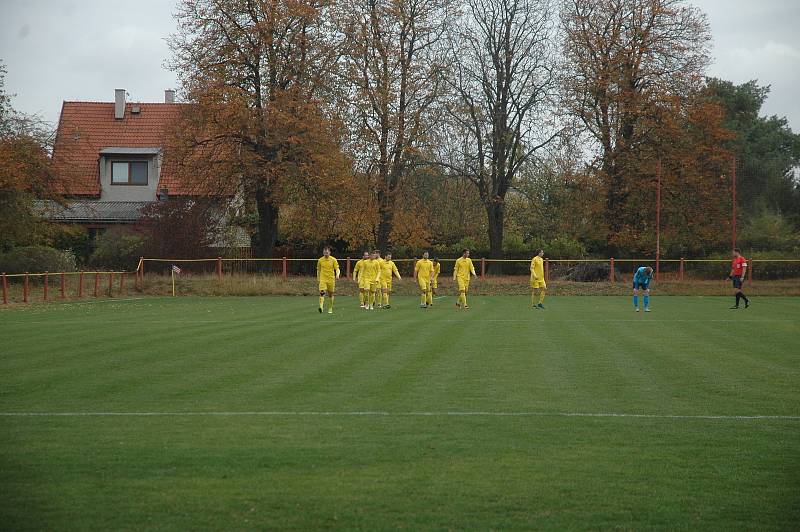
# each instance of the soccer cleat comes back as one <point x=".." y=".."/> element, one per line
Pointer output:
<point x="387" y="306"/>
<point x="540" y="306"/>
<point x="466" y="307"/>
<point x="371" y="307"/>
<point x="330" y="311"/>
<point x="320" y="310"/>
<point x="647" y="309"/>
<point x="423" y="305"/>
<point x="637" y="309"/>
<point x="747" y="303"/>
<point x="362" y="306"/>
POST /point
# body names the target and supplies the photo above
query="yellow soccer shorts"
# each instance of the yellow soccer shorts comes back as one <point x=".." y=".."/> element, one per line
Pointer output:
<point x="539" y="283"/>
<point x="386" y="285"/>
<point x="424" y="284"/>
<point x="373" y="286"/>
<point x="363" y="285"/>
<point x="327" y="285"/>
<point x="463" y="284"/>
<point x="435" y="283"/>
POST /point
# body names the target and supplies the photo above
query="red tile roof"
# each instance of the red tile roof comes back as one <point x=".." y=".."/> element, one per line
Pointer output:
<point x="85" y="128"/>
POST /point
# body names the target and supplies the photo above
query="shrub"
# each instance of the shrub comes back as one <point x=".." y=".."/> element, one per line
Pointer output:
<point x="117" y="249"/>
<point x="37" y="259"/>
<point x="769" y="231"/>
<point x="586" y="272"/>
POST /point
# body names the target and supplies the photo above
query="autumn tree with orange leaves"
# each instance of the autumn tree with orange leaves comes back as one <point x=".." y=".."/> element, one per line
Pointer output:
<point x="259" y="128"/>
<point x="631" y="67"/>
<point x="25" y="172"/>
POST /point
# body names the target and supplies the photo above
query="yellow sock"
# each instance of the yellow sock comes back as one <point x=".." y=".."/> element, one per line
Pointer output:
<point x="464" y="298"/>
<point x="321" y="301"/>
<point x="386" y="298"/>
<point x="422" y="298"/>
<point x="541" y="297"/>
<point x="371" y="298"/>
<point x="429" y="298"/>
<point x="533" y="298"/>
<point x="331" y="301"/>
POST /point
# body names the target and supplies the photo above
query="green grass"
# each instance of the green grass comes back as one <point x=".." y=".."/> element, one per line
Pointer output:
<point x="391" y="466"/>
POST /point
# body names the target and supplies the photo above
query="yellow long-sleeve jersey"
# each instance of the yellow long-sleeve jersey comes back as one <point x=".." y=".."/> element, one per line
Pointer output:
<point x="389" y="269"/>
<point x="463" y="268"/>
<point x="424" y="268"/>
<point x="371" y="271"/>
<point x="327" y="268"/>
<point x="358" y="270"/>
<point x="537" y="269"/>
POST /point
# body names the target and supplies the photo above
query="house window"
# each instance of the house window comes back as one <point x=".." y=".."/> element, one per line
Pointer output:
<point x="129" y="173"/>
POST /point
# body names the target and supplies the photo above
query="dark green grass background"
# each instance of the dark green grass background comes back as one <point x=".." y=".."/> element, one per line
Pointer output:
<point x="691" y="356"/>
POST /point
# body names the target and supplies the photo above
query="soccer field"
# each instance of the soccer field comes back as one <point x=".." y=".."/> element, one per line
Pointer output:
<point x="252" y="413"/>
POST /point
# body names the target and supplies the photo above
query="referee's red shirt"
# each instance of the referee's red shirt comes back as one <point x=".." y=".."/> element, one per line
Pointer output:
<point x="738" y="265"/>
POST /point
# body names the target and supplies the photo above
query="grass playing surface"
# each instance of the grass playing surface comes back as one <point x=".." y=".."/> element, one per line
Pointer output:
<point x="277" y="417"/>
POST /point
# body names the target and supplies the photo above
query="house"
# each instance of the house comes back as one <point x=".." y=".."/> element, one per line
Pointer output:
<point x="109" y="157"/>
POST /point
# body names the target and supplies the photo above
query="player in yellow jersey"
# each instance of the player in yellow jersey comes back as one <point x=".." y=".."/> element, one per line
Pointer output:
<point x="371" y="273"/>
<point x="358" y="277"/>
<point x="461" y="275"/>
<point x="388" y="270"/>
<point x="327" y="273"/>
<point x="437" y="269"/>
<point x="378" y="289"/>
<point x="424" y="270"/>
<point x="537" y="279"/>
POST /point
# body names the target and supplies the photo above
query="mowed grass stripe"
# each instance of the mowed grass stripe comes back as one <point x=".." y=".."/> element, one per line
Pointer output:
<point x="500" y="417"/>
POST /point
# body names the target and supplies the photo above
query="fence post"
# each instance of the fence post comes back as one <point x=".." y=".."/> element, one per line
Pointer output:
<point x="121" y="283"/>
<point x="63" y="286"/>
<point x="285" y="267"/>
<point x="347" y="275"/>
<point x="750" y="271"/>
<point x="80" y="285"/>
<point x="110" y="284"/>
<point x="96" y="283"/>
<point x="219" y="268"/>
<point x="141" y="273"/>
<point x="546" y="270"/>
<point x="46" y="286"/>
<point x="483" y="267"/>
<point x="5" y="289"/>
<point x="25" y="289"/>
<point x="611" y="270"/>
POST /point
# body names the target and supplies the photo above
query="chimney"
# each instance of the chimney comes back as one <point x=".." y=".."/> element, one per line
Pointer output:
<point x="119" y="104"/>
<point x="169" y="96"/>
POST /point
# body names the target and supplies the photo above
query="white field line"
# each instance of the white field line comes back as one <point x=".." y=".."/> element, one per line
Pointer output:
<point x="378" y="413"/>
<point x="336" y="321"/>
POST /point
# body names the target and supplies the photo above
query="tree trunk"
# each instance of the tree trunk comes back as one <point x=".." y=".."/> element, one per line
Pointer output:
<point x="495" y="213"/>
<point x="267" y="229"/>
<point x="385" y="220"/>
<point x="616" y="197"/>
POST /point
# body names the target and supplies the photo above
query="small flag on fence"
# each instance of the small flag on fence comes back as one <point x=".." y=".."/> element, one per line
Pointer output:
<point x="175" y="270"/>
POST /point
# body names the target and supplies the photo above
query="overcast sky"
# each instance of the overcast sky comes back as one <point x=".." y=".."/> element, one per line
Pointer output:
<point x="59" y="50"/>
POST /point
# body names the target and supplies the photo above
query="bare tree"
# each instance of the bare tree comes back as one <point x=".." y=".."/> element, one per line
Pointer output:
<point x="393" y="73"/>
<point x="502" y="86"/>
<point x="627" y="61"/>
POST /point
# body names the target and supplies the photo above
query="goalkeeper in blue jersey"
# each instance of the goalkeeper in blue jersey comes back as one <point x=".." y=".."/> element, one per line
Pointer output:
<point x="641" y="281"/>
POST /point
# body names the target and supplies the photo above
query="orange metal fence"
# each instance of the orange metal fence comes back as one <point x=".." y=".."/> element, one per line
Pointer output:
<point x="63" y="285"/>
